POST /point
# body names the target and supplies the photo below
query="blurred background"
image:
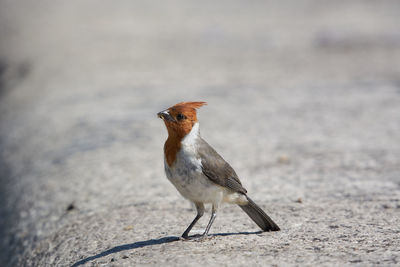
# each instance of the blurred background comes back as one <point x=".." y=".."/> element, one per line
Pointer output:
<point x="303" y="101"/>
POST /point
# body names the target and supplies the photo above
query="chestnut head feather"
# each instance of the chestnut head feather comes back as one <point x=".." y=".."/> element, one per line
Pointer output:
<point x="179" y="120"/>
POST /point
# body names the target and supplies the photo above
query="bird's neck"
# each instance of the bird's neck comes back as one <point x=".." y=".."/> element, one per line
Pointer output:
<point x="175" y="142"/>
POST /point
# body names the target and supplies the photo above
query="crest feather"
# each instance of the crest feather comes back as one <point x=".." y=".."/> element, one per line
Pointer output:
<point x="194" y="105"/>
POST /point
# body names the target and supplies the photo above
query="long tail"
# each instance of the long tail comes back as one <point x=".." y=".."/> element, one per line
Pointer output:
<point x="259" y="216"/>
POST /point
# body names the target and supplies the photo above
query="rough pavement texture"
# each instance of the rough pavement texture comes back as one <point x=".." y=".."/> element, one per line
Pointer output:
<point x="304" y="102"/>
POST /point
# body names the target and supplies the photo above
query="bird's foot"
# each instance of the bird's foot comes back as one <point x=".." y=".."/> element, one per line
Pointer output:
<point x="197" y="238"/>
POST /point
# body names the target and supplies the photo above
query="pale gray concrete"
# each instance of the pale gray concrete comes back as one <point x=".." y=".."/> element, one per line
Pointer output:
<point x="304" y="102"/>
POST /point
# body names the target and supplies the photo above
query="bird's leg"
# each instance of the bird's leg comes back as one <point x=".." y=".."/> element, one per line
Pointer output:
<point x="213" y="215"/>
<point x="200" y="212"/>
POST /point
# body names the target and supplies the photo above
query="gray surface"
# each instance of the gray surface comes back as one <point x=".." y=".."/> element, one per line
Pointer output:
<point x="304" y="102"/>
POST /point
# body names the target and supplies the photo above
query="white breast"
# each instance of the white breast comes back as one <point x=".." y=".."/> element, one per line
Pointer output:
<point x="187" y="176"/>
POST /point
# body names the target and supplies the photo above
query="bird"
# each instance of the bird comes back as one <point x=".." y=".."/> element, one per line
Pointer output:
<point x="199" y="173"/>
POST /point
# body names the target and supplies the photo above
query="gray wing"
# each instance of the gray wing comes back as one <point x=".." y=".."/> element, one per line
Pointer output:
<point x="217" y="169"/>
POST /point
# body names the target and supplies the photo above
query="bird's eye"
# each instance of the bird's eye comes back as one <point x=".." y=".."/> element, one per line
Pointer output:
<point x="180" y="117"/>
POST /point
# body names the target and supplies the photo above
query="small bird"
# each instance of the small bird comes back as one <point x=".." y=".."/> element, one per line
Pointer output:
<point x="199" y="173"/>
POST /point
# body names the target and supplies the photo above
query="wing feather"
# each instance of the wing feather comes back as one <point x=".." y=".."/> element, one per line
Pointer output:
<point x="218" y="170"/>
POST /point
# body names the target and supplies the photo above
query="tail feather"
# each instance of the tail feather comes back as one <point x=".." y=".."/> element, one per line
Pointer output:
<point x="259" y="216"/>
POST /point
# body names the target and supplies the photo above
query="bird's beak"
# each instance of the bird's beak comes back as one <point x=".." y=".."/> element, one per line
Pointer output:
<point x="165" y="116"/>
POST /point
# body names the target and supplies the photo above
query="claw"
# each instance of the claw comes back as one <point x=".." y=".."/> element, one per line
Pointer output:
<point x="196" y="238"/>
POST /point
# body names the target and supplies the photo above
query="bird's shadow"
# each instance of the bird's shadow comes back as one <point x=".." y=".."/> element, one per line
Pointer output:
<point x="150" y="242"/>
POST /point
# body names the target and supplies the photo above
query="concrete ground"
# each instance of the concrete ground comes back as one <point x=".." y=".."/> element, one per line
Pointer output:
<point x="303" y="101"/>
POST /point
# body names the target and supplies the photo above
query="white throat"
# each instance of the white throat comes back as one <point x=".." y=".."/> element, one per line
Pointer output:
<point x="191" y="138"/>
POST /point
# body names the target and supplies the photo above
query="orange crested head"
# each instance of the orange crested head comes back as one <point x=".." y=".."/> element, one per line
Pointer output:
<point x="179" y="120"/>
<point x="188" y="109"/>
